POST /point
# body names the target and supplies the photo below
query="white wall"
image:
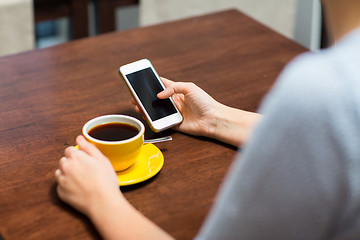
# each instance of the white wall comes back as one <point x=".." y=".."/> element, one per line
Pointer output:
<point x="16" y="26"/>
<point x="277" y="14"/>
<point x="296" y="19"/>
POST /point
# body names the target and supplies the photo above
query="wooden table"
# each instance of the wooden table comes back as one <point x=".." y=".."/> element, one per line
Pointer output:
<point x="47" y="95"/>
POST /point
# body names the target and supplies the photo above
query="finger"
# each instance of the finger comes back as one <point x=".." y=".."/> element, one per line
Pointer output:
<point x="69" y="151"/>
<point x="166" y="81"/>
<point x="88" y="148"/>
<point x="176" y="87"/>
<point x="167" y="84"/>
<point x="137" y="109"/>
<point x="63" y="162"/>
<point x="58" y="175"/>
<point x="166" y="93"/>
<point x="60" y="192"/>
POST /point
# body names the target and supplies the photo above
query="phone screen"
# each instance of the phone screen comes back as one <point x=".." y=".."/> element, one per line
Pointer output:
<point x="147" y="86"/>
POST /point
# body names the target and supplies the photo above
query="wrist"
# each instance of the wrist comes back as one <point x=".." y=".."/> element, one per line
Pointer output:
<point x="233" y="126"/>
<point x="216" y="121"/>
<point x="100" y="207"/>
<point x="108" y="215"/>
<point x="118" y="219"/>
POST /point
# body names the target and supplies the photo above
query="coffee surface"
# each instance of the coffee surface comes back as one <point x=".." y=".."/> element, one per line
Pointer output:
<point x="113" y="131"/>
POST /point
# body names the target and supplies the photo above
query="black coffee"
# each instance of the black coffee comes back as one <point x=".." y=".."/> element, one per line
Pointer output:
<point x="113" y="131"/>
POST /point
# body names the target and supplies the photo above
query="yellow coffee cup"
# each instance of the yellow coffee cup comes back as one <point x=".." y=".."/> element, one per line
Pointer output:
<point x="119" y="137"/>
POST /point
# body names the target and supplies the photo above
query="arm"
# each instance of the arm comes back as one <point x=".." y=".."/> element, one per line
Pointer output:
<point x="116" y="218"/>
<point x="87" y="181"/>
<point x="234" y="126"/>
<point x="204" y="116"/>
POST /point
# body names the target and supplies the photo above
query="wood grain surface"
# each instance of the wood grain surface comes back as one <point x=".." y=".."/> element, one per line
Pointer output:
<point x="47" y="95"/>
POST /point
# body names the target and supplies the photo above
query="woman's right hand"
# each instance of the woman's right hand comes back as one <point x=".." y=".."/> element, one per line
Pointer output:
<point x="204" y="116"/>
<point x="196" y="106"/>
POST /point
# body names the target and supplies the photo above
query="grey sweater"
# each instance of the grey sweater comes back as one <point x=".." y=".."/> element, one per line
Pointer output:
<point x="298" y="177"/>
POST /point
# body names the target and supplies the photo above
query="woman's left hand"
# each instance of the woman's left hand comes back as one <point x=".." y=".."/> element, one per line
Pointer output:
<point x="85" y="177"/>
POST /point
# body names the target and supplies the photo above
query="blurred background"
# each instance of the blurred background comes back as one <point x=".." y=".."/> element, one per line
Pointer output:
<point x="31" y="24"/>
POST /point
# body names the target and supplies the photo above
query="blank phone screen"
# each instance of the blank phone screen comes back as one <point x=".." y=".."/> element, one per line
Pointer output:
<point x="146" y="86"/>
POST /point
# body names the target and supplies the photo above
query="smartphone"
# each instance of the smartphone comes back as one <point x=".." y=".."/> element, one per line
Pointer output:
<point x="144" y="84"/>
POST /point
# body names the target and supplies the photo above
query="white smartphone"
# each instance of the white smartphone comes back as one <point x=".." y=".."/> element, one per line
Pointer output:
<point x="144" y="84"/>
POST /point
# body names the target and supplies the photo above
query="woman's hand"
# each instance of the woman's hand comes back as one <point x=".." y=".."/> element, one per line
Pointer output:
<point x="86" y="178"/>
<point x="196" y="106"/>
<point x="88" y="182"/>
<point x="204" y="116"/>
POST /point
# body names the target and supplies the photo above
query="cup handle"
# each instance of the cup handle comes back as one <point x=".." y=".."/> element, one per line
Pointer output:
<point x="77" y="147"/>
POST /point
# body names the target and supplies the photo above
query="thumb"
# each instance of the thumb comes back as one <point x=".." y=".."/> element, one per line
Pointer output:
<point x="166" y="93"/>
<point x="176" y="87"/>
<point x="90" y="149"/>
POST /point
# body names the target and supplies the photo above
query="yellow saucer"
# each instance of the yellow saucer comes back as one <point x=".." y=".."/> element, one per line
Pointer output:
<point x="148" y="164"/>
